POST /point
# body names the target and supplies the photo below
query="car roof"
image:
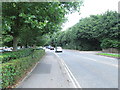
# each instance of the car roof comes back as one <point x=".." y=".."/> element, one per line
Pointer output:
<point x="59" y="47"/>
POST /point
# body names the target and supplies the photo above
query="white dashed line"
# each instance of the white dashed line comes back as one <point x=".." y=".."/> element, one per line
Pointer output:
<point x="101" y="62"/>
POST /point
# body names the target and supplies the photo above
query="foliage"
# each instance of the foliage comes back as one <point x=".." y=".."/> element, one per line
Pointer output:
<point x="26" y="21"/>
<point x="13" y="70"/>
<point x="7" y="40"/>
<point x="109" y="43"/>
<point x="5" y="57"/>
<point x="91" y="33"/>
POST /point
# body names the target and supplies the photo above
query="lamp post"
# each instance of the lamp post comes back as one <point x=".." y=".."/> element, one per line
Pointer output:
<point x="55" y="42"/>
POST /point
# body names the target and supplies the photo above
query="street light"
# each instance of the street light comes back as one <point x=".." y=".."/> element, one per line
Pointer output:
<point x="55" y="42"/>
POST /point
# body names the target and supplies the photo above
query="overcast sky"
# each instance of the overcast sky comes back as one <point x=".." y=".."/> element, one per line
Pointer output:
<point x="91" y="7"/>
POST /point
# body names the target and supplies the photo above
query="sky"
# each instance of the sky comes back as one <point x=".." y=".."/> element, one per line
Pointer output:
<point x="91" y="7"/>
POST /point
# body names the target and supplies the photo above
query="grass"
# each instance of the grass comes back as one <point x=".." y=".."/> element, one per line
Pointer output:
<point x="109" y="54"/>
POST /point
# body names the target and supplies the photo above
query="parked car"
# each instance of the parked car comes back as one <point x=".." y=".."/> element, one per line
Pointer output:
<point x="1" y="50"/>
<point x="58" y="49"/>
<point x="7" y="49"/>
<point x="51" y="48"/>
<point x="48" y="47"/>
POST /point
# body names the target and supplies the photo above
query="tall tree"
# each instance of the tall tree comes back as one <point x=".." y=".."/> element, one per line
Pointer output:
<point x="39" y="18"/>
<point x="92" y="33"/>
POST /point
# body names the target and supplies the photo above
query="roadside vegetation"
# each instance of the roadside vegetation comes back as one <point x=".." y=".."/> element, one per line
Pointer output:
<point x="96" y="32"/>
<point x="5" y="57"/>
<point x="28" y="25"/>
<point x="110" y="55"/>
<point x="18" y="65"/>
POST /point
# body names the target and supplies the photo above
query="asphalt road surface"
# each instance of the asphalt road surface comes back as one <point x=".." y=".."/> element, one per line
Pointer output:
<point x="88" y="69"/>
<point x="91" y="70"/>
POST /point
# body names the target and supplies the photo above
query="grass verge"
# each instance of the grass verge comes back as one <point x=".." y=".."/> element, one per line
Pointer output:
<point x="110" y="55"/>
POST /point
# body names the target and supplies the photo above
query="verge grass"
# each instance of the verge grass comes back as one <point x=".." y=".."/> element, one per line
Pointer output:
<point x="110" y="54"/>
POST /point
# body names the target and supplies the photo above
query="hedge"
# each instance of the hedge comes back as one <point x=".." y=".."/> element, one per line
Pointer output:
<point x="5" y="57"/>
<point x="14" y="70"/>
<point x="109" y="43"/>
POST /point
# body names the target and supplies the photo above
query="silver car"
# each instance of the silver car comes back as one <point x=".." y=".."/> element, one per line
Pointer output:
<point x="58" y="49"/>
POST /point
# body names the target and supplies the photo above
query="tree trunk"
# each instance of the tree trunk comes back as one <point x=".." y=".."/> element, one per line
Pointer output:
<point x="15" y="42"/>
<point x="26" y="46"/>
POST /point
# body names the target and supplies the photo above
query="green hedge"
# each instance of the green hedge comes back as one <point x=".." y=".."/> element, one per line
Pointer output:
<point x="109" y="43"/>
<point x="5" y="57"/>
<point x="13" y="70"/>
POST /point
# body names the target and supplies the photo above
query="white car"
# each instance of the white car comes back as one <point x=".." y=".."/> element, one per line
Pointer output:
<point x="1" y="50"/>
<point x="8" y="49"/>
<point x="58" y="49"/>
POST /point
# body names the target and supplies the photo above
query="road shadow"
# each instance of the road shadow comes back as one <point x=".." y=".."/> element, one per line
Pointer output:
<point x="42" y="68"/>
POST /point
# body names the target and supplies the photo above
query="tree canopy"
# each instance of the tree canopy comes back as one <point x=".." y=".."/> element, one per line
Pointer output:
<point x="91" y="33"/>
<point x="24" y="22"/>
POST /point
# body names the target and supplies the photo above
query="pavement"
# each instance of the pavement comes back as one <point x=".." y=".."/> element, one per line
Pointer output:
<point x="49" y="73"/>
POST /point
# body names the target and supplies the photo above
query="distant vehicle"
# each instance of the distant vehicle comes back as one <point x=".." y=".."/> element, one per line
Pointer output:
<point x="40" y="48"/>
<point x="43" y="47"/>
<point x="58" y="49"/>
<point x="7" y="49"/>
<point x="18" y="48"/>
<point x="1" y="50"/>
<point x="51" y="48"/>
<point x="48" y="47"/>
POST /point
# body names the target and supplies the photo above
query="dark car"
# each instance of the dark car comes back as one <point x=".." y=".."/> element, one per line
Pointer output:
<point x="48" y="47"/>
<point x="51" y="48"/>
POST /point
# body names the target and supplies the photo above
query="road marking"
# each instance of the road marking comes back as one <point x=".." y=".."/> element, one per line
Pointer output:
<point x="72" y="78"/>
<point x="101" y="62"/>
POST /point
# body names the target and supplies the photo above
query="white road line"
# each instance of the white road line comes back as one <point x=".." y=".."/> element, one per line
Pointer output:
<point x="101" y="62"/>
<point x="72" y="78"/>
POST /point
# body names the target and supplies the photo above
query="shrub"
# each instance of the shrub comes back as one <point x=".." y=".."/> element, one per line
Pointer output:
<point x="5" y="57"/>
<point x="107" y="43"/>
<point x="13" y="70"/>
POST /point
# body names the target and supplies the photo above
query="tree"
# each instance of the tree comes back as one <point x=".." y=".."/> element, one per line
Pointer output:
<point x="38" y="18"/>
<point x="92" y="33"/>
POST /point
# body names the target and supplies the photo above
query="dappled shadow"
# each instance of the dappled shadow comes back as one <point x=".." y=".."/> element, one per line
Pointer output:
<point x="42" y="68"/>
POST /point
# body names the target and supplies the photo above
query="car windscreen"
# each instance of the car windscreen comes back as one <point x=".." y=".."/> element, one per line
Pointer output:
<point x="59" y="48"/>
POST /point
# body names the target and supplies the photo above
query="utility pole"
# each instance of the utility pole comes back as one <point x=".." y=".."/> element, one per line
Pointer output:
<point x="55" y="42"/>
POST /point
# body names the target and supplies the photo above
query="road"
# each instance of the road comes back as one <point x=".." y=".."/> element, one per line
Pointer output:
<point x="88" y="69"/>
<point x="91" y="70"/>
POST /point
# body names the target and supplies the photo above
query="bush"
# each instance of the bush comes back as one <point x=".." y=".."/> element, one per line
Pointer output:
<point x="107" y="43"/>
<point x="5" y="57"/>
<point x="13" y="70"/>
